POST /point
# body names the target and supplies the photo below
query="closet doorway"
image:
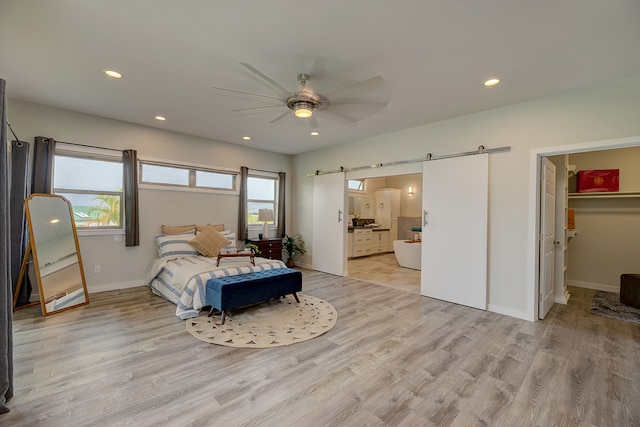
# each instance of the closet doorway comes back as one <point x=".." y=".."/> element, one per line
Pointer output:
<point x="628" y="206"/>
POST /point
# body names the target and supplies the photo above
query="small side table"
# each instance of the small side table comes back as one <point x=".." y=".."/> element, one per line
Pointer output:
<point x="270" y="247"/>
<point x="236" y="255"/>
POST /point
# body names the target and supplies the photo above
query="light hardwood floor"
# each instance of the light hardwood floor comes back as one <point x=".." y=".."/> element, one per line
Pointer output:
<point x="394" y="358"/>
<point x="383" y="269"/>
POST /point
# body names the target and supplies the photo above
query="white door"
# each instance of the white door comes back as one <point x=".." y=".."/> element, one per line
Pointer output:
<point x="547" y="237"/>
<point x="329" y="225"/>
<point x="454" y="232"/>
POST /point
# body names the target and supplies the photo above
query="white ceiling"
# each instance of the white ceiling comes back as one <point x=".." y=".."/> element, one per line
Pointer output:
<point x="433" y="55"/>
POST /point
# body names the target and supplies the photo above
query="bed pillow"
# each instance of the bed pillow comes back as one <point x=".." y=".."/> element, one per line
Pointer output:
<point x="231" y="237"/>
<point x="217" y="227"/>
<point x="175" y="245"/>
<point x="177" y="229"/>
<point x="208" y="242"/>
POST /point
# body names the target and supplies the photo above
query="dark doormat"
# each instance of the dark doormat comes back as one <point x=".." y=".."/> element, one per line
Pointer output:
<point x="608" y="304"/>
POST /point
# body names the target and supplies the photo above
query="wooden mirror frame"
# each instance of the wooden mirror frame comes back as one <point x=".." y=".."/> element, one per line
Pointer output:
<point x="59" y="298"/>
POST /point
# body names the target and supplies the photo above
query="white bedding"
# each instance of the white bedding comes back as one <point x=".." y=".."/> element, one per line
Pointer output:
<point x="183" y="281"/>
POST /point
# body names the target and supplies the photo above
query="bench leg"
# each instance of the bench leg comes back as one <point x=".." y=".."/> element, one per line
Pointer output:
<point x="224" y="317"/>
<point x="296" y="297"/>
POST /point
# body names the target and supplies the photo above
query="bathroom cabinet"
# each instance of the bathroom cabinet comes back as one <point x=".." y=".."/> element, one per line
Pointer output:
<point x="380" y="241"/>
<point x="387" y="211"/>
<point x="366" y="241"/>
<point x="362" y="242"/>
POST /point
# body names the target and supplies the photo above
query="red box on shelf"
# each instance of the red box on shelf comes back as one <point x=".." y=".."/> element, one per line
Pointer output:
<point x="599" y="181"/>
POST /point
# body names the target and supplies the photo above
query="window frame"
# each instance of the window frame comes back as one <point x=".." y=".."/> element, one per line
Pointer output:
<point x="91" y="153"/>
<point x="276" y="183"/>
<point x="192" y="168"/>
<point x="362" y="184"/>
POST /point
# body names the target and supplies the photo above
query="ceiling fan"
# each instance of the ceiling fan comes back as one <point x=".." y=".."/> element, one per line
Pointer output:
<point x="343" y="103"/>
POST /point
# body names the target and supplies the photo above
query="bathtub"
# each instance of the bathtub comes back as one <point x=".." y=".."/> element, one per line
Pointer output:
<point x="408" y="254"/>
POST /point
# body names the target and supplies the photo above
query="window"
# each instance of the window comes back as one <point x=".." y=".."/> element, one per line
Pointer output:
<point x="93" y="184"/>
<point x="355" y="184"/>
<point x="186" y="176"/>
<point x="261" y="194"/>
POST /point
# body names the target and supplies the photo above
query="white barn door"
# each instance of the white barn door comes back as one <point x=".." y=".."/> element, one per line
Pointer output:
<point x="454" y="232"/>
<point x="329" y="223"/>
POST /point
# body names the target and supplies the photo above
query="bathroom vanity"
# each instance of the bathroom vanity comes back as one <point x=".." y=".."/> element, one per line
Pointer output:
<point x="365" y="241"/>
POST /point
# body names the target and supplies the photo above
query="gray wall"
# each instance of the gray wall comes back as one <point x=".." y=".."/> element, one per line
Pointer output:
<point x="122" y="266"/>
<point x="592" y="114"/>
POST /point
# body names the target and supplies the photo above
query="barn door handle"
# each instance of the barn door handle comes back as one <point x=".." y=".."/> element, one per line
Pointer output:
<point x="339" y="215"/>
<point x="425" y="219"/>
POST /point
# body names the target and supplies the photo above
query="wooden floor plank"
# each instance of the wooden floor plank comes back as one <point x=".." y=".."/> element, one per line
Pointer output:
<point x="394" y="358"/>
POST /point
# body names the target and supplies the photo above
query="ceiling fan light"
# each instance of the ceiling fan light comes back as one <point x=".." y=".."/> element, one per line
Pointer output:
<point x="303" y="109"/>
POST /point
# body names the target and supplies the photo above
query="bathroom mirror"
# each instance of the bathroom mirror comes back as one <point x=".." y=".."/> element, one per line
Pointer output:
<point x="53" y="242"/>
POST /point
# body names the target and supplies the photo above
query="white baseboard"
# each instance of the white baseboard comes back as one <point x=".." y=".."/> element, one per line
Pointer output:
<point x="564" y="298"/>
<point x="507" y="311"/>
<point x="114" y="286"/>
<point x="596" y="286"/>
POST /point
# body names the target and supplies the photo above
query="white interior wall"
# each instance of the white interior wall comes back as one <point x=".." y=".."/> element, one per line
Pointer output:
<point x="126" y="266"/>
<point x="591" y="114"/>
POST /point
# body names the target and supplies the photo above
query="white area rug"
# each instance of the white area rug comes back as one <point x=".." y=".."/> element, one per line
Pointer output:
<point x="270" y="324"/>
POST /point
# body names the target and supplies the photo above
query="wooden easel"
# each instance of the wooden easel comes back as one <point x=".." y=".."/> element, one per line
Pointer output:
<point x="23" y="269"/>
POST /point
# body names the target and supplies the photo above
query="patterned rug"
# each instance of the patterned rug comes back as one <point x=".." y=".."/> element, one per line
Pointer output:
<point x="608" y="304"/>
<point x="274" y="323"/>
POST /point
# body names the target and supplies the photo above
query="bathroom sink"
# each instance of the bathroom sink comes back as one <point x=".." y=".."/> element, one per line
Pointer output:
<point x="372" y="225"/>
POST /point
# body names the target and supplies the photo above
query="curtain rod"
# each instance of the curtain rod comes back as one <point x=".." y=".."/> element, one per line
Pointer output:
<point x="14" y="134"/>
<point x="88" y="146"/>
<point x="428" y="157"/>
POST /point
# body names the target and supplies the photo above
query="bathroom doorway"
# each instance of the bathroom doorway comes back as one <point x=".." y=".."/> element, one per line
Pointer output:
<point x="383" y="268"/>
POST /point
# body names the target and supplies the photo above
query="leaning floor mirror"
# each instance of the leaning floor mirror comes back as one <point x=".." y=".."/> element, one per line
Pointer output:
<point x="53" y="242"/>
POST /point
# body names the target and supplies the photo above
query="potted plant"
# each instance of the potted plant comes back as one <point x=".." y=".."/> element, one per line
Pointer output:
<point x="293" y="245"/>
<point x="252" y="247"/>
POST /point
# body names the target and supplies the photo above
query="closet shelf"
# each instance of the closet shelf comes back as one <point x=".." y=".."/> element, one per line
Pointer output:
<point x="609" y="195"/>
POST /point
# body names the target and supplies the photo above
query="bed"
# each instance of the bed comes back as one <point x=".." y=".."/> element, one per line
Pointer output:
<point x="186" y="261"/>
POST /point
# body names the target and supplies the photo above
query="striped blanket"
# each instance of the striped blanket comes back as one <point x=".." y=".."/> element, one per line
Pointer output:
<point x="183" y="281"/>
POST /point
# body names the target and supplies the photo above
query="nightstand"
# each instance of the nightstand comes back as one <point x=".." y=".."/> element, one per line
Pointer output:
<point x="269" y="248"/>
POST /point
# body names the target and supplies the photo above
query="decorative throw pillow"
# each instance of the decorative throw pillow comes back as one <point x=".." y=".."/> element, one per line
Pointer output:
<point x="208" y="242"/>
<point x="217" y="227"/>
<point x="175" y="245"/>
<point x="177" y="229"/>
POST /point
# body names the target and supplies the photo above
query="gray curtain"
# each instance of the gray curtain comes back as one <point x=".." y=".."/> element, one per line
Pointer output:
<point x="130" y="181"/>
<point x="282" y="178"/>
<point x="243" y="231"/>
<point x="43" y="155"/>
<point x="20" y="180"/>
<point x="6" y="289"/>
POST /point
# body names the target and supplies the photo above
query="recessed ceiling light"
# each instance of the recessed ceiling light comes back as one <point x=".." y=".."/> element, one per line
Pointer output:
<point x="160" y="118"/>
<point x="314" y="133"/>
<point x="492" y="82"/>
<point x="114" y="74"/>
<point x="246" y="138"/>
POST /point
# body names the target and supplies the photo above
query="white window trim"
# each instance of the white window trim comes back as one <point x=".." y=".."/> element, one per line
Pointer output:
<point x="271" y="175"/>
<point x="209" y="168"/>
<point x="106" y="153"/>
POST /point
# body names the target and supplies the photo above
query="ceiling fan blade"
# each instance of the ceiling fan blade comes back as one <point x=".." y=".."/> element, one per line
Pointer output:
<point x="280" y="117"/>
<point x="266" y="78"/>
<point x="257" y="108"/>
<point x="313" y="122"/>
<point x="341" y="116"/>
<point x="370" y="85"/>
<point x="245" y="93"/>
<point x="379" y="104"/>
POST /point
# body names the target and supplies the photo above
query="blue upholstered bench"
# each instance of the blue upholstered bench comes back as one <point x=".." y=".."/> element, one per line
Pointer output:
<point x="227" y="293"/>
